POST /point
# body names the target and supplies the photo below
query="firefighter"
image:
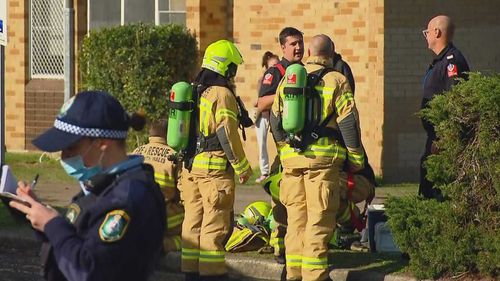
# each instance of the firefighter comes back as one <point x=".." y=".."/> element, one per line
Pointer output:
<point x="208" y="189"/>
<point x="292" y="44"/>
<point x="310" y="184"/>
<point x="156" y="153"/>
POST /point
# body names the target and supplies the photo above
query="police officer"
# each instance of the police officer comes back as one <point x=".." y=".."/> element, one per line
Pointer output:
<point x="292" y="44"/>
<point x="157" y="154"/>
<point x="113" y="229"/>
<point x="208" y="190"/>
<point x="448" y="65"/>
<point x="310" y="182"/>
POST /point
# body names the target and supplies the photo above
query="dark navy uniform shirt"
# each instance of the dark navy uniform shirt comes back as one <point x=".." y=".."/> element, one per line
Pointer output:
<point x="441" y="76"/>
<point x="341" y="66"/>
<point x="272" y="78"/>
<point x="114" y="233"/>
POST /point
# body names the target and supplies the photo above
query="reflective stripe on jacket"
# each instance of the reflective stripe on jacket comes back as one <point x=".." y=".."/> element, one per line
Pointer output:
<point x="219" y="115"/>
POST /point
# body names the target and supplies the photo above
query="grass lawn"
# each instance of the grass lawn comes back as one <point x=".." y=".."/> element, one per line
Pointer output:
<point x="26" y="165"/>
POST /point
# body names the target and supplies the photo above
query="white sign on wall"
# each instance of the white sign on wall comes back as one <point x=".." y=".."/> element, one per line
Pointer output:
<point x="3" y="22"/>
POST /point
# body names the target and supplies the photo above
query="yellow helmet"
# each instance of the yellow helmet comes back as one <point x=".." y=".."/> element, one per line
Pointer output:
<point x="257" y="212"/>
<point x="272" y="184"/>
<point x="220" y="55"/>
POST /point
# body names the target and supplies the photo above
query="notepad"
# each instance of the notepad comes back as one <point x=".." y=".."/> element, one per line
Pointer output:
<point x="8" y="184"/>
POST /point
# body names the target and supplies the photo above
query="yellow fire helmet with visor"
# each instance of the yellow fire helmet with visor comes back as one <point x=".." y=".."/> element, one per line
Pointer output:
<point x="222" y="57"/>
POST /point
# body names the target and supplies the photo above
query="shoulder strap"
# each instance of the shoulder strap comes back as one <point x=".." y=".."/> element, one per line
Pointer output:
<point x="281" y="68"/>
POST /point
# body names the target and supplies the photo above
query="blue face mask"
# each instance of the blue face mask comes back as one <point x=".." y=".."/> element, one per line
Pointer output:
<point x="75" y="167"/>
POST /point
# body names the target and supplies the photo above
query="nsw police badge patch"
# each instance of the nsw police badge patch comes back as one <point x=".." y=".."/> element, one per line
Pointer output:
<point x="114" y="226"/>
<point x="72" y="213"/>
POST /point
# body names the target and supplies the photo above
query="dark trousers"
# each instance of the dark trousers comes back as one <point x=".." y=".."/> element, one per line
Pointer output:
<point x="426" y="187"/>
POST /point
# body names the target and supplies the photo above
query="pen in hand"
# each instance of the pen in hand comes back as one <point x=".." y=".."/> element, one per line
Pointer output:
<point x="33" y="183"/>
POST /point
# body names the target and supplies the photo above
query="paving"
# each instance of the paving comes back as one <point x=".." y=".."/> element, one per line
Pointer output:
<point x="240" y="266"/>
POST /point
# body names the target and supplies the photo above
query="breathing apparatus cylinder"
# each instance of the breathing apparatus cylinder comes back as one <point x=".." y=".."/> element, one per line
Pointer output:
<point x="179" y="115"/>
<point x="294" y="102"/>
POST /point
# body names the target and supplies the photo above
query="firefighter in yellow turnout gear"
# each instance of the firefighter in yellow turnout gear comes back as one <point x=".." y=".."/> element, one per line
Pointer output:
<point x="208" y="189"/>
<point x="310" y="185"/>
<point x="156" y="154"/>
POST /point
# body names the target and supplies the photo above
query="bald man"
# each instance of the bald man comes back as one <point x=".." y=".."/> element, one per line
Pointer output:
<point x="448" y="65"/>
<point x="310" y="186"/>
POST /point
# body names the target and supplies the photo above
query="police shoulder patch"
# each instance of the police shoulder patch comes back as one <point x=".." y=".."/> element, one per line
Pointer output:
<point x="114" y="226"/>
<point x="72" y="213"/>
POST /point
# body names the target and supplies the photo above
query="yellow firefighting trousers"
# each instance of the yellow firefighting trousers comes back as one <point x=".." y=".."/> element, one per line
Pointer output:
<point x="208" y="201"/>
<point x="311" y="197"/>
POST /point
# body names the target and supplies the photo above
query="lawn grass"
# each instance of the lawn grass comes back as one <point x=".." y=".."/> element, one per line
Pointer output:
<point x="398" y="190"/>
<point x="26" y="165"/>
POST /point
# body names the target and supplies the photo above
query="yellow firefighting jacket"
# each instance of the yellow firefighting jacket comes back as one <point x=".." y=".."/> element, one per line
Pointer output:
<point x="336" y="98"/>
<point x="219" y="116"/>
<point x="166" y="173"/>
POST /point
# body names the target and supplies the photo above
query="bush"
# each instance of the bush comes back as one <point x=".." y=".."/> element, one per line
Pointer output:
<point x="138" y="64"/>
<point x="461" y="234"/>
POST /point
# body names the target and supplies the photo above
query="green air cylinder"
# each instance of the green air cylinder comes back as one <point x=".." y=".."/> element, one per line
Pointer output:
<point x="179" y="115"/>
<point x="294" y="102"/>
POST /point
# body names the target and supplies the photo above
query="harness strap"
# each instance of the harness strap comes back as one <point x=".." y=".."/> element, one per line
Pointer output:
<point x="280" y="68"/>
<point x="183" y="106"/>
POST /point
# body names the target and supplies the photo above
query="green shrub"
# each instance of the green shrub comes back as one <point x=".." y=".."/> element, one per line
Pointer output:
<point x="138" y="64"/>
<point x="461" y="234"/>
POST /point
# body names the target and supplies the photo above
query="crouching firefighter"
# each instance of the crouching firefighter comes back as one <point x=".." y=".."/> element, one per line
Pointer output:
<point x="311" y="116"/>
<point x="212" y="154"/>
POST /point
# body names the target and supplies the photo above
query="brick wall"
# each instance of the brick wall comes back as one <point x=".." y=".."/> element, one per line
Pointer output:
<point x="256" y="25"/>
<point x="43" y="100"/>
<point x="209" y="20"/>
<point x="15" y="74"/>
<point x="406" y="59"/>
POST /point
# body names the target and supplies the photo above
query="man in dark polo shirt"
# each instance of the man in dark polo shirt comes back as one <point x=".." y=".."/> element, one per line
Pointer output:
<point x="448" y="65"/>
<point x="292" y="45"/>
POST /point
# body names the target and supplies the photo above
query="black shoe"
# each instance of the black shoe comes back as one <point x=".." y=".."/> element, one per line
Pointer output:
<point x="192" y="276"/>
<point x="280" y="259"/>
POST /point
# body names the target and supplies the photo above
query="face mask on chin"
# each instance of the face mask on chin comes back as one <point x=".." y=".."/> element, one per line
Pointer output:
<point x="75" y="167"/>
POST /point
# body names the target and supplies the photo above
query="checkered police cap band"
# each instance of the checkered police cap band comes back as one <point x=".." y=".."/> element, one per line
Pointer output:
<point x="89" y="132"/>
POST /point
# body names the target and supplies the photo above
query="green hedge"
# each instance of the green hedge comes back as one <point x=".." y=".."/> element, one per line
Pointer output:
<point x="460" y="234"/>
<point x="138" y="64"/>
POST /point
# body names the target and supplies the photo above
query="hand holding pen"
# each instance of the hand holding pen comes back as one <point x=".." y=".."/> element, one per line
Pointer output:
<point x="34" y="182"/>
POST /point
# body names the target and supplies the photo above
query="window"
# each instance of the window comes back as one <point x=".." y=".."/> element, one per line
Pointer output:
<point x="170" y="11"/>
<point x="46" y="39"/>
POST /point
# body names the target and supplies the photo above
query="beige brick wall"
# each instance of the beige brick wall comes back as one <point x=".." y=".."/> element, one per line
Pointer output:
<point x="208" y="20"/>
<point x="406" y="60"/>
<point x="257" y="25"/>
<point x="15" y="74"/>
<point x="31" y="105"/>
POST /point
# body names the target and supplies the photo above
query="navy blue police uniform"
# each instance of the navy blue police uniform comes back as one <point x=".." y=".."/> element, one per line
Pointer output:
<point x="104" y="234"/>
<point x="441" y="75"/>
<point x="113" y="229"/>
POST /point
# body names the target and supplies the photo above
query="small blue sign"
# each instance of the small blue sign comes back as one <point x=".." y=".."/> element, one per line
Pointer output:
<point x="1" y="26"/>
